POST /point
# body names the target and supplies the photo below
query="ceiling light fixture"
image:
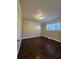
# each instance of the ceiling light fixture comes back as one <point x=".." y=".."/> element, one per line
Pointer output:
<point x="41" y="17"/>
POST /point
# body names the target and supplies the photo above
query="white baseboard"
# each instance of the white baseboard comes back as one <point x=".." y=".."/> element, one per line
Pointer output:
<point x="39" y="36"/>
<point x="18" y="45"/>
<point x="51" y="38"/>
<point x="29" y="37"/>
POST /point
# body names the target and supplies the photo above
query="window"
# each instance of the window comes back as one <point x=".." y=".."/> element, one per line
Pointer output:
<point x="54" y="26"/>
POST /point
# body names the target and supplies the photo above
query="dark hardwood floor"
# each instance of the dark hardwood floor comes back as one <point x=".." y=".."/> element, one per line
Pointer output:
<point x="39" y="48"/>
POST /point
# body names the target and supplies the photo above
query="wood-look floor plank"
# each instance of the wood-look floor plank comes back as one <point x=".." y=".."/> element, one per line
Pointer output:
<point x="39" y="48"/>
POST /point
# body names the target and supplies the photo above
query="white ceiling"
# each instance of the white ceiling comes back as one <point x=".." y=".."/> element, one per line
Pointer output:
<point x="50" y="9"/>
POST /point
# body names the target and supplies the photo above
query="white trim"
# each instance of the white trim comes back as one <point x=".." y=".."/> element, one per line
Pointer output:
<point x="51" y="38"/>
<point x="18" y="45"/>
<point x="29" y="37"/>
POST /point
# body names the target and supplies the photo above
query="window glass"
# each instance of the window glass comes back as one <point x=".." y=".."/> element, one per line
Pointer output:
<point x="54" y="26"/>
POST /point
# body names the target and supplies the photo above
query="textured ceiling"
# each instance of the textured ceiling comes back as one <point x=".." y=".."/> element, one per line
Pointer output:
<point x="50" y="9"/>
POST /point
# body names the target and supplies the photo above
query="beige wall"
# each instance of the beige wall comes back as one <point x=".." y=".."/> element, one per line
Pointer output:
<point x="19" y="21"/>
<point x="31" y="29"/>
<point x="51" y="34"/>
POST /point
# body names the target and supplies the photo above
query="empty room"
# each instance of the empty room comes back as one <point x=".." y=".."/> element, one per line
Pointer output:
<point x="38" y="29"/>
